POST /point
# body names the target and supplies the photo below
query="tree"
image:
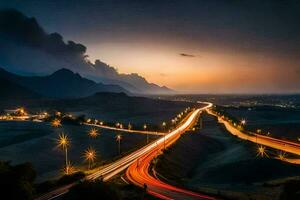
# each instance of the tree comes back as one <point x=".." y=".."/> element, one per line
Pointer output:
<point x="16" y="182"/>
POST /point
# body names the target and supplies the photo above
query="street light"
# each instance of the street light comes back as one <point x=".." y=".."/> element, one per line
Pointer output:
<point x="145" y="127"/>
<point x="93" y="133"/>
<point x="282" y="156"/>
<point x="64" y="142"/>
<point x="90" y="155"/>
<point x="243" y="122"/>
<point x="68" y="169"/>
<point x="56" y="123"/>
<point x="118" y="139"/>
<point x="164" y="127"/>
<point x="261" y="151"/>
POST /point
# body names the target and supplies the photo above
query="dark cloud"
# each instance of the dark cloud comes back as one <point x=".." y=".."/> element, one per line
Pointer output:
<point x="27" y="48"/>
<point x="27" y="31"/>
<point x="187" y="55"/>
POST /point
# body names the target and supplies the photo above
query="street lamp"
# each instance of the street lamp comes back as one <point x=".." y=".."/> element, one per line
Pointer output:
<point x="90" y="155"/>
<point x="145" y="127"/>
<point x="68" y="169"/>
<point x="93" y="133"/>
<point x="164" y="127"/>
<point x="261" y="151"/>
<point x="56" y="123"/>
<point x="118" y="139"/>
<point x="282" y="155"/>
<point x="64" y="142"/>
<point x="243" y="122"/>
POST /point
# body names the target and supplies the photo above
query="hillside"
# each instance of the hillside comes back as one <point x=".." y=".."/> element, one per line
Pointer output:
<point x="61" y="84"/>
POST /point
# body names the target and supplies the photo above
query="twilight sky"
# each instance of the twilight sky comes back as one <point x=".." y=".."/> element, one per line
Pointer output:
<point x="191" y="46"/>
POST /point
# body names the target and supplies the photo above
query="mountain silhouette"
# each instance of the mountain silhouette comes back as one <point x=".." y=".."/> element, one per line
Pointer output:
<point x="61" y="84"/>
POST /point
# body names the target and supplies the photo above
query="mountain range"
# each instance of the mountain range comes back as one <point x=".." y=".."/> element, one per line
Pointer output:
<point x="61" y="84"/>
<point x="27" y="49"/>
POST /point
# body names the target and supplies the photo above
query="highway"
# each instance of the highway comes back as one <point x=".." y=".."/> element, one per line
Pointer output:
<point x="283" y="145"/>
<point x="138" y="172"/>
<point x="120" y="165"/>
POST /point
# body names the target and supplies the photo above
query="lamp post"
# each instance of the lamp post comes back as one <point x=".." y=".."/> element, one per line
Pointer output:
<point x="118" y="139"/>
<point x="145" y="127"/>
<point x="64" y="142"/>
<point x="164" y="127"/>
<point x="90" y="155"/>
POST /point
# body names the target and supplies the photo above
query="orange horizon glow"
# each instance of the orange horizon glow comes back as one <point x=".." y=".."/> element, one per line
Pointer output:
<point x="214" y="71"/>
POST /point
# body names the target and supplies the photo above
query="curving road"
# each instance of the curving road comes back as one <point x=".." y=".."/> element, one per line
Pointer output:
<point x="283" y="145"/>
<point x="118" y="166"/>
<point x="138" y="172"/>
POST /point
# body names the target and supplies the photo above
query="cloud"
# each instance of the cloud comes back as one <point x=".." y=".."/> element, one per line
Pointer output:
<point x="163" y="74"/>
<point x="187" y="55"/>
<point x="39" y="52"/>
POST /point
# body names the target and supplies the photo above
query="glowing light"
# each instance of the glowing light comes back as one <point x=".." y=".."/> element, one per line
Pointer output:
<point x="118" y="137"/>
<point x="129" y="126"/>
<point x="261" y="151"/>
<point x="243" y="122"/>
<point x="90" y="155"/>
<point x="56" y="123"/>
<point x="21" y="111"/>
<point x="282" y="156"/>
<point x="145" y="126"/>
<point x="63" y="141"/>
<point x="93" y="133"/>
<point x="68" y="169"/>
<point x="258" y="131"/>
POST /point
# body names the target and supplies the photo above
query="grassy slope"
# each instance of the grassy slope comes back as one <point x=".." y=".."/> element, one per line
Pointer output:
<point x="214" y="159"/>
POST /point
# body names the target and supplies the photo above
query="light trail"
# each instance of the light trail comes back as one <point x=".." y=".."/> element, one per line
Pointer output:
<point x="118" y="166"/>
<point x="283" y="145"/>
<point x="126" y="130"/>
<point x="138" y="174"/>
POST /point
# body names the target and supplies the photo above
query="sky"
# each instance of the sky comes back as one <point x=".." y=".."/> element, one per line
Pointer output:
<point x="191" y="46"/>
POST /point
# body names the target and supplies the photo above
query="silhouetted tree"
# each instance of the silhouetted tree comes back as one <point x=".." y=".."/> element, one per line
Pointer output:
<point x="16" y="182"/>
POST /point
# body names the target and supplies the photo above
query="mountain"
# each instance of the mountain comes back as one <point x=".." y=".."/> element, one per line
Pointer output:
<point x="28" y="49"/>
<point x="13" y="95"/>
<point x="61" y="84"/>
<point x="11" y="91"/>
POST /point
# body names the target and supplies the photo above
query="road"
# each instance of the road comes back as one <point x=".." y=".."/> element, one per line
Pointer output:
<point x="120" y="165"/>
<point x="283" y="145"/>
<point x="125" y="130"/>
<point x="138" y="172"/>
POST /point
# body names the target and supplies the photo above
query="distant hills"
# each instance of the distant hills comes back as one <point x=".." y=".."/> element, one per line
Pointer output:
<point x="61" y="84"/>
<point x="10" y="91"/>
<point x="26" y="48"/>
